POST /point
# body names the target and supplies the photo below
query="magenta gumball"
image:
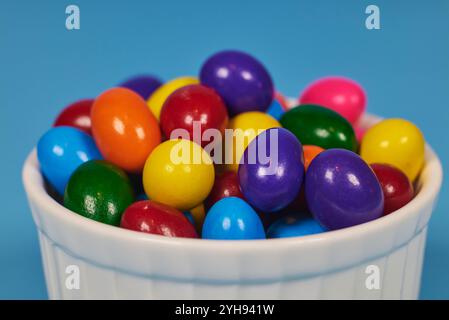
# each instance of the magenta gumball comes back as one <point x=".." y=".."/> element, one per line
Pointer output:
<point x="339" y="94"/>
<point x="272" y="170"/>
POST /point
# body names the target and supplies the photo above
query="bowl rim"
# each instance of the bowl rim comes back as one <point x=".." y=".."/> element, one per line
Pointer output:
<point x="430" y="184"/>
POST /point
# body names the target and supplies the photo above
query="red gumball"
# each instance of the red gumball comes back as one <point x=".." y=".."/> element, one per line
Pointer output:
<point x="194" y="103"/>
<point x="396" y="187"/>
<point x="157" y="218"/>
<point x="76" y="115"/>
<point x="225" y="185"/>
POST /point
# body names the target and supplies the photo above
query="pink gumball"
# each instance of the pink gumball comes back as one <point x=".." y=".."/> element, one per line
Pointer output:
<point x="342" y="95"/>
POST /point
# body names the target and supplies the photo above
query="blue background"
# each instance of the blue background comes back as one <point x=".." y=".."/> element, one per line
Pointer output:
<point x="404" y="67"/>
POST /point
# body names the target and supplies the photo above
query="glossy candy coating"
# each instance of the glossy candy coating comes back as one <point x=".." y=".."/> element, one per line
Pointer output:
<point x="124" y="129"/>
<point x="249" y="125"/>
<point x="100" y="191"/>
<point x="157" y="99"/>
<point x="61" y="150"/>
<point x="272" y="185"/>
<point x="294" y="225"/>
<point x="194" y="103"/>
<point x="342" y="95"/>
<point x="316" y="125"/>
<point x="173" y="176"/>
<point x="276" y="110"/>
<point x="310" y="152"/>
<point x="397" y="142"/>
<point x="76" y="115"/>
<point x="143" y="85"/>
<point x="397" y="188"/>
<point x="342" y="190"/>
<point x="240" y="79"/>
<point x="225" y="185"/>
<point x="232" y="219"/>
<point x="157" y="218"/>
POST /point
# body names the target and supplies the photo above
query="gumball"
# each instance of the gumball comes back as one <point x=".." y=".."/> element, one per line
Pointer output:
<point x="178" y="173"/>
<point x="240" y="79"/>
<point x="310" y="152"/>
<point x="143" y="85"/>
<point x="190" y="104"/>
<point x="76" y="115"/>
<point x="275" y="110"/>
<point x="232" y="219"/>
<point x="316" y="125"/>
<point x="339" y="94"/>
<point x="270" y="183"/>
<point x="246" y="126"/>
<point x="397" y="142"/>
<point x="157" y="218"/>
<point x="196" y="216"/>
<point x="294" y="225"/>
<point x="61" y="150"/>
<point x="282" y="100"/>
<point x="342" y="190"/>
<point x="397" y="188"/>
<point x="157" y="99"/>
<point x="225" y="185"/>
<point x="100" y="191"/>
<point x="124" y="129"/>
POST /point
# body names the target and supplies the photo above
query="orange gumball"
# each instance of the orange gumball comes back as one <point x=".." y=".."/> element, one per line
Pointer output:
<point x="310" y="152"/>
<point x="124" y="128"/>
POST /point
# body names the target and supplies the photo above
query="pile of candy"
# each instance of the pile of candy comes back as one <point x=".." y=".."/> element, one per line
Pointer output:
<point x="119" y="159"/>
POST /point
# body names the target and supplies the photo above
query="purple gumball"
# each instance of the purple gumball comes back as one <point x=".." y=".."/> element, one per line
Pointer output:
<point x="241" y="80"/>
<point x="342" y="190"/>
<point x="271" y="170"/>
<point x="143" y="85"/>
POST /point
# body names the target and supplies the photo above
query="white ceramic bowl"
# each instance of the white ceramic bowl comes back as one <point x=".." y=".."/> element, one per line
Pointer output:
<point x="117" y="263"/>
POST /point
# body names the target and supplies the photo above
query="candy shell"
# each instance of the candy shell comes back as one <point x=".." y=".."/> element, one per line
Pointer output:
<point x="194" y="108"/>
<point x="100" y="191"/>
<point x="319" y="126"/>
<point x="275" y="110"/>
<point x="178" y="173"/>
<point x="226" y="185"/>
<point x="397" y="188"/>
<point x="397" y="142"/>
<point x="310" y="152"/>
<point x="76" y="115"/>
<point x="240" y="79"/>
<point x="124" y="129"/>
<point x="143" y="85"/>
<point x="272" y="170"/>
<point x="245" y="127"/>
<point x="157" y="99"/>
<point x="342" y="95"/>
<point x="294" y="225"/>
<point x="232" y="219"/>
<point x="342" y="190"/>
<point x="61" y="150"/>
<point x="157" y="218"/>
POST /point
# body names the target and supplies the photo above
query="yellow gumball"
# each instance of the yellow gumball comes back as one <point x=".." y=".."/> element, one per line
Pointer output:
<point x="178" y="173"/>
<point x="246" y="126"/>
<point x="395" y="141"/>
<point x="157" y="99"/>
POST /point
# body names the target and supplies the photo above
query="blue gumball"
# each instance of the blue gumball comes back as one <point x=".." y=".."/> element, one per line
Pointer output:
<point x="232" y="219"/>
<point x="294" y="225"/>
<point x="61" y="150"/>
<point x="275" y="110"/>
